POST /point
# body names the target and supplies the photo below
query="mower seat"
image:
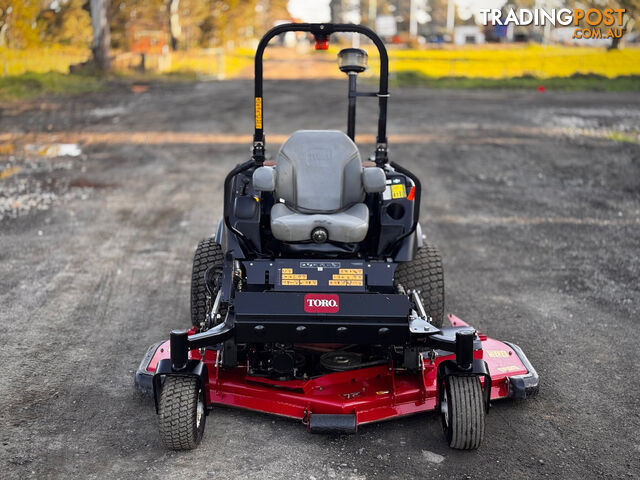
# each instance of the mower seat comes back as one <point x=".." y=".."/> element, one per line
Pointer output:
<point x="319" y="181"/>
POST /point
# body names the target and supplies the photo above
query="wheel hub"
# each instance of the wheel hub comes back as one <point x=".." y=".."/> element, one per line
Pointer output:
<point x="444" y="408"/>
<point x="199" y="412"/>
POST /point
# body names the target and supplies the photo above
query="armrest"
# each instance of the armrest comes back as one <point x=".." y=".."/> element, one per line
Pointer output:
<point x="264" y="179"/>
<point x="374" y="180"/>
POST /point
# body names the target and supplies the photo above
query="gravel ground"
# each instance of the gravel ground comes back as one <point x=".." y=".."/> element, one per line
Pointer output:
<point x="535" y="206"/>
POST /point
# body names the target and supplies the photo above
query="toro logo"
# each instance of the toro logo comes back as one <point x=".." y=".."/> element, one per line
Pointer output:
<point x="316" y="303"/>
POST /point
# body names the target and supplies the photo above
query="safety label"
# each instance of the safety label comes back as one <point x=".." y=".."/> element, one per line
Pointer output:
<point x="347" y="277"/>
<point x="497" y="353"/>
<point x="259" y="112"/>
<point x="398" y="191"/>
<point x="291" y="279"/>
<point x="343" y="277"/>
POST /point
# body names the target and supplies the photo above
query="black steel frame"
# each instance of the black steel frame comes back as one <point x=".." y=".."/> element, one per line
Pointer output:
<point x="257" y="326"/>
<point x="323" y="31"/>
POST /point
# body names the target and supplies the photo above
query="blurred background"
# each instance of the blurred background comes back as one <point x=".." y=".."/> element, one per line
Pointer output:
<point x="46" y="45"/>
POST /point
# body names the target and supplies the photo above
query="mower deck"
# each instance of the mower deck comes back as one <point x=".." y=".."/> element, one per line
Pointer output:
<point x="351" y="397"/>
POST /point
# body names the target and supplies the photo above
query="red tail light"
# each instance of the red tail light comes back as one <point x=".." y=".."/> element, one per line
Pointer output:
<point x="322" y="42"/>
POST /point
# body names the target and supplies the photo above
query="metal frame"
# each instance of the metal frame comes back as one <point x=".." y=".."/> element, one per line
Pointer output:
<point x="322" y="31"/>
<point x="249" y="324"/>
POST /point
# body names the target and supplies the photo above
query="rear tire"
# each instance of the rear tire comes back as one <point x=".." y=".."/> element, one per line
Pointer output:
<point x="463" y="412"/>
<point x="425" y="274"/>
<point x="181" y="413"/>
<point x="208" y="255"/>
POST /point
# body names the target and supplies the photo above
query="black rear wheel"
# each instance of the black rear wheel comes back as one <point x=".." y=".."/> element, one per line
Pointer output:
<point x="425" y="274"/>
<point x="181" y="414"/>
<point x="462" y="411"/>
<point x="209" y="255"/>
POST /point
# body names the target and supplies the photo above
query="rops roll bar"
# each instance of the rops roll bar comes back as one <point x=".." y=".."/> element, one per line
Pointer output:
<point x="322" y="31"/>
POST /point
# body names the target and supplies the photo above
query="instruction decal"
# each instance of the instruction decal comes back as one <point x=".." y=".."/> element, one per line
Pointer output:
<point x="259" y="113"/>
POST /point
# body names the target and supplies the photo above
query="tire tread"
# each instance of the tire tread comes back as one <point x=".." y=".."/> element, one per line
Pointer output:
<point x="177" y="411"/>
<point x="425" y="274"/>
<point x="467" y="412"/>
<point x="208" y="254"/>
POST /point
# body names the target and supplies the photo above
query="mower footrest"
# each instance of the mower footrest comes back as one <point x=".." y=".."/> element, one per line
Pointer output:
<point x="329" y="423"/>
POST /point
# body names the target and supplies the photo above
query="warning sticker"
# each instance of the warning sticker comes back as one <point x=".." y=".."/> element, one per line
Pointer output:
<point x="497" y="353"/>
<point x="294" y="276"/>
<point x="303" y="281"/>
<point x="398" y="191"/>
<point x="290" y="279"/>
<point x="347" y="277"/>
<point x="259" y="112"/>
<point x="321" y="274"/>
<point x="350" y="271"/>
<point x="345" y="283"/>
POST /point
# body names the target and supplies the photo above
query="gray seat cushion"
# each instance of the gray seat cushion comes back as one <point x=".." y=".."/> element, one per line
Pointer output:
<point x="319" y="171"/>
<point x="319" y="182"/>
<point x="349" y="226"/>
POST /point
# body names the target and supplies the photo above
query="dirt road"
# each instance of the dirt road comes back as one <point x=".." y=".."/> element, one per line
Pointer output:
<point x="535" y="207"/>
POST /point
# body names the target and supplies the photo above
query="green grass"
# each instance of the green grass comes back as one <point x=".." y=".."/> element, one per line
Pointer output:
<point x="577" y="82"/>
<point x="31" y="85"/>
<point x="622" y="137"/>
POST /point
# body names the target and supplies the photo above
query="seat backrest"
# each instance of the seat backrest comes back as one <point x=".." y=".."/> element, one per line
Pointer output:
<point x="319" y="171"/>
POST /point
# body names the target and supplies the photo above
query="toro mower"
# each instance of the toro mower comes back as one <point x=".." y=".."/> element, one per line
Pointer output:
<point x="319" y="299"/>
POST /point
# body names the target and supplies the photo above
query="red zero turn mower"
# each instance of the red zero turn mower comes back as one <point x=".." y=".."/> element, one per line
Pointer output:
<point x="318" y="298"/>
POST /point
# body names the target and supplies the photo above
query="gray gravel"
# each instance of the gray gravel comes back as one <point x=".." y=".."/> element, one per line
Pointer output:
<point x="535" y="207"/>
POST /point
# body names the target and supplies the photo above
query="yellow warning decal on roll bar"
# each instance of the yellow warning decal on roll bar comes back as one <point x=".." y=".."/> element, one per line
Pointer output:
<point x="259" y="112"/>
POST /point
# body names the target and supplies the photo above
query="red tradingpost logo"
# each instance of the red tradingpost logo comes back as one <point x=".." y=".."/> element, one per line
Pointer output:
<point x="316" y="303"/>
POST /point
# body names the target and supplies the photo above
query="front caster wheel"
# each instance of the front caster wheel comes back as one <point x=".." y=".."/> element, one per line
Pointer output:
<point x="181" y="413"/>
<point x="463" y="412"/>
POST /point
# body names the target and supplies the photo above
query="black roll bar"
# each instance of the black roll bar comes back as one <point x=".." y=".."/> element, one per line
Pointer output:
<point x="323" y="31"/>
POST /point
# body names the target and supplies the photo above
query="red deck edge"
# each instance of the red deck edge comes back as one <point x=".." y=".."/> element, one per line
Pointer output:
<point x="372" y="394"/>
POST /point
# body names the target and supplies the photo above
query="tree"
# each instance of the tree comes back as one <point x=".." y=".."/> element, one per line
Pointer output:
<point x="186" y="18"/>
<point x="68" y="24"/>
<point x="18" y="23"/>
<point x="632" y="7"/>
<point x="230" y="21"/>
<point x="174" y="22"/>
<point x="101" y="45"/>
